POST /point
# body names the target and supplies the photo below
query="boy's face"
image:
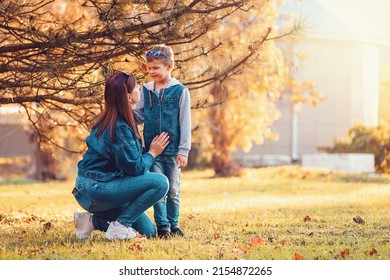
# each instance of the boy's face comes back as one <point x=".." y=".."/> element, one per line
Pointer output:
<point x="157" y="70"/>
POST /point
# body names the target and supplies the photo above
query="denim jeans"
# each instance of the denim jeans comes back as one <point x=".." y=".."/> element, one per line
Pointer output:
<point x="124" y="199"/>
<point x="166" y="210"/>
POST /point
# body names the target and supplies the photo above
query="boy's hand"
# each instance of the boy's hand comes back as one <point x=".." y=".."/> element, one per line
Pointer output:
<point x="181" y="161"/>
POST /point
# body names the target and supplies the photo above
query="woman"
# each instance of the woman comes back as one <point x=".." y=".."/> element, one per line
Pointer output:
<point x="113" y="183"/>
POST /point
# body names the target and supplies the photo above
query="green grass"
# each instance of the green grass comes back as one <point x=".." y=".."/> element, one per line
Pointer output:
<point x="257" y="216"/>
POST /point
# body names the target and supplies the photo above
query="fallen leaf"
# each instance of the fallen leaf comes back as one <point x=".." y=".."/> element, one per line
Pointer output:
<point x="244" y="249"/>
<point x="307" y="218"/>
<point x="298" y="256"/>
<point x="358" y="220"/>
<point x="344" y="253"/>
<point x="136" y="246"/>
<point x="373" y="251"/>
<point x="256" y="241"/>
<point x="217" y="235"/>
<point x="47" y="226"/>
<point x="283" y="241"/>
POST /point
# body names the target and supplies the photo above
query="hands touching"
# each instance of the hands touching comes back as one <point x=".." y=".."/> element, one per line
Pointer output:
<point x="158" y="144"/>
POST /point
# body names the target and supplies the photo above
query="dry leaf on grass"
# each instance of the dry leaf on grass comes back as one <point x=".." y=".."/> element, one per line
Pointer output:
<point x="256" y="241"/>
<point x="373" y="251"/>
<point x="307" y="218"/>
<point x="358" y="220"/>
<point x="298" y="256"/>
<point x="344" y="253"/>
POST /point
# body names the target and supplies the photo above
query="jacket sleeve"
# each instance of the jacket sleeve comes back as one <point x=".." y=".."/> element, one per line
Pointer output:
<point x="128" y="153"/>
<point x="185" y="123"/>
<point x="139" y="109"/>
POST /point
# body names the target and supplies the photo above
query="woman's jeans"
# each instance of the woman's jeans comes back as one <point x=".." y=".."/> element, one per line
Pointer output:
<point x="166" y="211"/>
<point x="124" y="199"/>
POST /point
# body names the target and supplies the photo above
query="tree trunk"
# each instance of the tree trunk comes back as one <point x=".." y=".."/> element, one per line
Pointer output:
<point x="45" y="164"/>
<point x="221" y="160"/>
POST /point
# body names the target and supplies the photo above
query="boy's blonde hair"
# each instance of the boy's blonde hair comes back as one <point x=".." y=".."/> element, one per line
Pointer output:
<point x="163" y="53"/>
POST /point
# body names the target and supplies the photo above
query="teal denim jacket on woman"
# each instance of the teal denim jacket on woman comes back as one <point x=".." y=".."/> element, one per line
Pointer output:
<point x="107" y="159"/>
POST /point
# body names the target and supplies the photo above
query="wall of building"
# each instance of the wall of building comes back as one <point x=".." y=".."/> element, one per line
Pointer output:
<point x="347" y="74"/>
<point x="14" y="141"/>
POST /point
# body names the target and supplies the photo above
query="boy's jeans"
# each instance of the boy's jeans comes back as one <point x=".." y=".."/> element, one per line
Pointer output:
<point x="123" y="199"/>
<point x="166" y="211"/>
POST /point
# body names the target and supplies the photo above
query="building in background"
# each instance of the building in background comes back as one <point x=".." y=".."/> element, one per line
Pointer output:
<point x="15" y="134"/>
<point x="343" y="53"/>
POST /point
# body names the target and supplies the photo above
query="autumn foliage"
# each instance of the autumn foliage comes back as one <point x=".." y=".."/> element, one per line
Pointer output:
<point x="55" y="55"/>
<point x="363" y="139"/>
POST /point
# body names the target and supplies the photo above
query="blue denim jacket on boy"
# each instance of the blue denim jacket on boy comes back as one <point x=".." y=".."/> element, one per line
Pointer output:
<point x="162" y="114"/>
<point x="168" y="110"/>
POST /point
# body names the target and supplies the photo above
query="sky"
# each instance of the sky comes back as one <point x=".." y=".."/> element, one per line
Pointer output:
<point x="374" y="10"/>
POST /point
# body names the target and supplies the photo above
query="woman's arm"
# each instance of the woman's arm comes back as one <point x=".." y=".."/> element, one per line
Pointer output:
<point x="128" y="156"/>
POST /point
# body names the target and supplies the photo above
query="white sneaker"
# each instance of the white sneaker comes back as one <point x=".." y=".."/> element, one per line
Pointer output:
<point x="117" y="231"/>
<point x="83" y="224"/>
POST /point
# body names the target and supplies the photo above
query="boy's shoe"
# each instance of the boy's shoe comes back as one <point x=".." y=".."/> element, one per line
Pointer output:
<point x="164" y="233"/>
<point x="83" y="224"/>
<point x="117" y="231"/>
<point x="177" y="231"/>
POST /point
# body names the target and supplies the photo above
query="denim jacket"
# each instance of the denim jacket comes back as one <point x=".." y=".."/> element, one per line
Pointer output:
<point x="166" y="110"/>
<point x="106" y="159"/>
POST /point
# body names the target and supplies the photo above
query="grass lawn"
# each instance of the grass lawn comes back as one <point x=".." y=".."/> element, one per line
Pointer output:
<point x="279" y="213"/>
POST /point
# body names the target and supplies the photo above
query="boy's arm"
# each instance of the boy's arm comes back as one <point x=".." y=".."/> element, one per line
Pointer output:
<point x="139" y="109"/>
<point x="185" y="123"/>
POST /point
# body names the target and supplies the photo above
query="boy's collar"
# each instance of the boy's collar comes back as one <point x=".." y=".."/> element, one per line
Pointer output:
<point x="172" y="82"/>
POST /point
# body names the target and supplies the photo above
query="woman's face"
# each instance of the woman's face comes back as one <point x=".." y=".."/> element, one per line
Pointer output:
<point x="135" y="95"/>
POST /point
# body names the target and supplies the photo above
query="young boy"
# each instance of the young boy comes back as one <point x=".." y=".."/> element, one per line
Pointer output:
<point x="165" y="106"/>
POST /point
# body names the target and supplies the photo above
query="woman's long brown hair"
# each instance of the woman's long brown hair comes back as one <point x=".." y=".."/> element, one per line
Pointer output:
<point x="117" y="105"/>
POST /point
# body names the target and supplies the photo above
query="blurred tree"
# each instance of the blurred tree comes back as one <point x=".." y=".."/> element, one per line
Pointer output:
<point x="54" y="55"/>
<point x="372" y="140"/>
<point x="245" y="102"/>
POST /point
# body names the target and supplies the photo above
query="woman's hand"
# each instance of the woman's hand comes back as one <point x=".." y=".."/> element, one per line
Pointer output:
<point x="158" y="144"/>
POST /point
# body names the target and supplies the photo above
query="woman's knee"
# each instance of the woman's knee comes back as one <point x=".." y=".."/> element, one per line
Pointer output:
<point x="160" y="181"/>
